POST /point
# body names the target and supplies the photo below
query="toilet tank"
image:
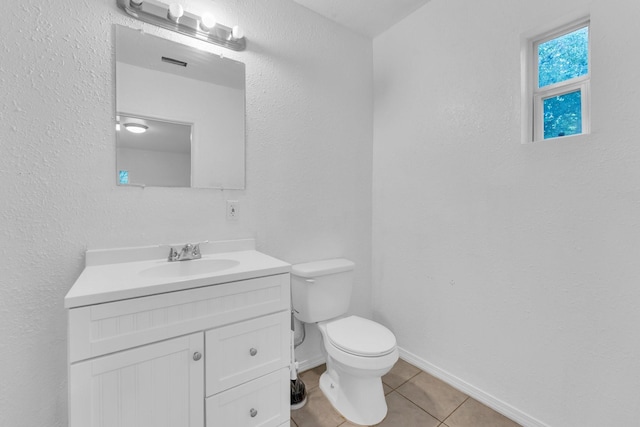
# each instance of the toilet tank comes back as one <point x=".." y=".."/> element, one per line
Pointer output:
<point x="321" y="290"/>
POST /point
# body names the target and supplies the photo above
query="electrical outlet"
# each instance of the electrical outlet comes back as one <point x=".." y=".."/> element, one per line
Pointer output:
<point x="232" y="210"/>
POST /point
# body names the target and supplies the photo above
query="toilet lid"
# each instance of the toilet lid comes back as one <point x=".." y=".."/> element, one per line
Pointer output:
<point x="360" y="336"/>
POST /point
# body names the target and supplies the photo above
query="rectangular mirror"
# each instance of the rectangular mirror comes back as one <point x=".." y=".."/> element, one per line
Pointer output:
<point x="180" y="115"/>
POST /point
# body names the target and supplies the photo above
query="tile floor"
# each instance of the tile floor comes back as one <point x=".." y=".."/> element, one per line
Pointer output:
<point x="414" y="398"/>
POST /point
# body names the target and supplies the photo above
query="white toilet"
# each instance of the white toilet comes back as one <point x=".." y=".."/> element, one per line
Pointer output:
<point x="359" y="351"/>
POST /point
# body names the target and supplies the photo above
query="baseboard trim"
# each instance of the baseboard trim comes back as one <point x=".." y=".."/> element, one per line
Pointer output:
<point x="492" y="402"/>
<point x="305" y="365"/>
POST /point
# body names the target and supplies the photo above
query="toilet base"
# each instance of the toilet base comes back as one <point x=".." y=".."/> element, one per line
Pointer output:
<point x="359" y="399"/>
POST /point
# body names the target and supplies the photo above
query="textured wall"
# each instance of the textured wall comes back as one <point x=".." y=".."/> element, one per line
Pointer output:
<point x="511" y="267"/>
<point x="308" y="196"/>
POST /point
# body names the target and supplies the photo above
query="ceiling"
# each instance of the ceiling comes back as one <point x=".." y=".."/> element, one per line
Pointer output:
<point x="144" y="50"/>
<point x="367" y="17"/>
<point x="161" y="135"/>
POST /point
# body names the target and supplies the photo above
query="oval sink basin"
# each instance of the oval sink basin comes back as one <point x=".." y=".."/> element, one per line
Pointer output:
<point x="189" y="268"/>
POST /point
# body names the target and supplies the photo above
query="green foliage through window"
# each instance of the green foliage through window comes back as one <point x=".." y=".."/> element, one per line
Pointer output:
<point x="562" y="86"/>
<point x="563" y="115"/>
<point x="563" y="58"/>
<point x="124" y="177"/>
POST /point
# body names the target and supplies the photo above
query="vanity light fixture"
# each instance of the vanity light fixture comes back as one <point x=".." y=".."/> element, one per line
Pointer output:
<point x="174" y="17"/>
<point x="136" y="127"/>
<point x="207" y="22"/>
<point x="237" y="33"/>
<point x="175" y="12"/>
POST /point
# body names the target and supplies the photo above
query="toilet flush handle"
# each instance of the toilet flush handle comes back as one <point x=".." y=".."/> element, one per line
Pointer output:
<point x="310" y="281"/>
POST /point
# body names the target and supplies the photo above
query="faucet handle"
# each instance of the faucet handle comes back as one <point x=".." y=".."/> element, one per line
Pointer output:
<point x="191" y="251"/>
<point x="196" y="248"/>
<point x="185" y="252"/>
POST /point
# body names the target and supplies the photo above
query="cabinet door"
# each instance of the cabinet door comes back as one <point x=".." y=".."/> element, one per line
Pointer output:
<point x="157" y="385"/>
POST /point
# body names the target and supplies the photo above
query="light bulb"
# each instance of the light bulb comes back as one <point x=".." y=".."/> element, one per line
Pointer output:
<point x="175" y="12"/>
<point x="207" y="21"/>
<point x="136" y="127"/>
<point x="237" y="32"/>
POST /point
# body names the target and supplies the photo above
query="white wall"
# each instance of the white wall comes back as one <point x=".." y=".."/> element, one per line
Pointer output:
<point x="513" y="268"/>
<point x="308" y="196"/>
<point x="162" y="168"/>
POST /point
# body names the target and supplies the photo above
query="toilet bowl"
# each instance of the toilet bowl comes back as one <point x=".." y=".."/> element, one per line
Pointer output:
<point x="358" y="351"/>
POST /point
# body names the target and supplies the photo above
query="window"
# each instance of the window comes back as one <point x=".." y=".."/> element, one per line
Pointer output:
<point x="123" y="177"/>
<point x="559" y="83"/>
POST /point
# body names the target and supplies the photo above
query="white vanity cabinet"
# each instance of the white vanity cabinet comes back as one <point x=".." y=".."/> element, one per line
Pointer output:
<point x="214" y="356"/>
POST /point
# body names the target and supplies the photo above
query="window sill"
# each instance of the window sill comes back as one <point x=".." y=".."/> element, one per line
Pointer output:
<point x="580" y="137"/>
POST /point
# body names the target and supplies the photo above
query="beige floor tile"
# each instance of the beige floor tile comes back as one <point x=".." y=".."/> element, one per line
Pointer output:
<point x="318" y="412"/>
<point x="386" y="389"/>
<point x="402" y="413"/>
<point x="420" y="400"/>
<point x="312" y="376"/>
<point x="401" y="372"/>
<point x="474" y="414"/>
<point x="434" y="396"/>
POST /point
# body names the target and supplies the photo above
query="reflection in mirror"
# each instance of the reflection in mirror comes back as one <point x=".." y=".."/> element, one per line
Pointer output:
<point x="153" y="152"/>
<point x="189" y="106"/>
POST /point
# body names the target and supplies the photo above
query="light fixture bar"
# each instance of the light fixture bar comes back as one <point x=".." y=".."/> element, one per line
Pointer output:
<point x="157" y="13"/>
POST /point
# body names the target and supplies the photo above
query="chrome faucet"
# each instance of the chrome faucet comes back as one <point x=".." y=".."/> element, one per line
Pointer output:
<point x="187" y="252"/>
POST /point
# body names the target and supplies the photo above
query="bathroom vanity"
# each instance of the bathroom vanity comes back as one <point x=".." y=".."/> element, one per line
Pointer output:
<point x="193" y="343"/>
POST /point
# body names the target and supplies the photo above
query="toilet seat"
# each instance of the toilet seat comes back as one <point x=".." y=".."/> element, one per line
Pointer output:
<point x="360" y="337"/>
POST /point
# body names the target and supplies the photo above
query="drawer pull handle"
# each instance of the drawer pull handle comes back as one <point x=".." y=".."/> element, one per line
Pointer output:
<point x="253" y="351"/>
<point x="253" y="413"/>
<point x="197" y="356"/>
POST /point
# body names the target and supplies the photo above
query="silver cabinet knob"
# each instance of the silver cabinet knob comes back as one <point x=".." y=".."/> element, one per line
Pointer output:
<point x="253" y="351"/>
<point x="197" y="356"/>
<point x="253" y="413"/>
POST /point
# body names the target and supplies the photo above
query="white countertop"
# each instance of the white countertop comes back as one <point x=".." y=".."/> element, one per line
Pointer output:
<point x="101" y="283"/>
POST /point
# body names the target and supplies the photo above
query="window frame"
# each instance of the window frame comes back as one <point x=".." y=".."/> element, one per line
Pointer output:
<point x="536" y="96"/>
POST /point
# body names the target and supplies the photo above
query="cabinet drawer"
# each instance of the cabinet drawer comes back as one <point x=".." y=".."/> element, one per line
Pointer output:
<point x="237" y="353"/>
<point x="263" y="402"/>
<point x="106" y="328"/>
